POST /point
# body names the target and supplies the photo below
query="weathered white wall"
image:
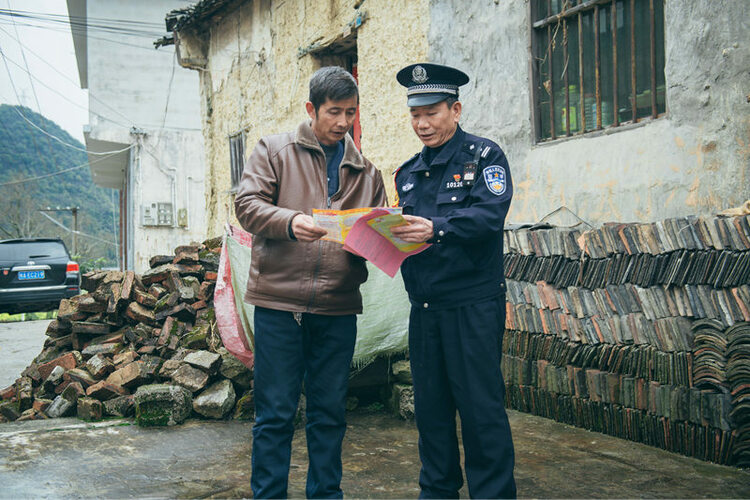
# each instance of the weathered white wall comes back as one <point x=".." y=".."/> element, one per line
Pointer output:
<point x="133" y="85"/>
<point x="695" y="160"/>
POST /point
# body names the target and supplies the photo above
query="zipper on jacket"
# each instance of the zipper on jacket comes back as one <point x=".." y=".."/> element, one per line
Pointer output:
<point x="320" y="248"/>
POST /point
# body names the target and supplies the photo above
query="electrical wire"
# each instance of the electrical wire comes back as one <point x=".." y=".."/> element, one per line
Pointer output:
<point x="88" y="163"/>
<point x="103" y="153"/>
<point x="78" y="233"/>
<point x="66" y="77"/>
<point x="31" y="81"/>
<point x="132" y="28"/>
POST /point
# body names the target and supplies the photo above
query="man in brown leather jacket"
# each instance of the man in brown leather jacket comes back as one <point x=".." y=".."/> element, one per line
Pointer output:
<point x="305" y="290"/>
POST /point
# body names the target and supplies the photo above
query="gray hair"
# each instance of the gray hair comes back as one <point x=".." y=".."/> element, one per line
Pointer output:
<point x="334" y="83"/>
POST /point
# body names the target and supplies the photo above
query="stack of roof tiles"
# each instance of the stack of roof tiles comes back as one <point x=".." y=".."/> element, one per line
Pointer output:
<point x="624" y="330"/>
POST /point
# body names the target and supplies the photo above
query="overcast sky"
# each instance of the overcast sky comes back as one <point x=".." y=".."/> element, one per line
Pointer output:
<point x="51" y="62"/>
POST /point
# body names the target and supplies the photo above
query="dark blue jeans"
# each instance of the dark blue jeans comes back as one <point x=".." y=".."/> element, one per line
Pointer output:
<point x="319" y="351"/>
<point x="455" y="363"/>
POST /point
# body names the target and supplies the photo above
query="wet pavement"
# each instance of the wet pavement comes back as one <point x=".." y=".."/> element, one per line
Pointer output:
<point x="20" y="343"/>
<point x="67" y="458"/>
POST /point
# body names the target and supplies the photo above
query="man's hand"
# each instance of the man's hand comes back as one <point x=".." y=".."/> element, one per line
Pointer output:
<point x="305" y="230"/>
<point x="417" y="230"/>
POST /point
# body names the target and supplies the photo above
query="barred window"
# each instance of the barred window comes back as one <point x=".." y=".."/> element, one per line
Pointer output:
<point x="597" y="64"/>
<point x="237" y="158"/>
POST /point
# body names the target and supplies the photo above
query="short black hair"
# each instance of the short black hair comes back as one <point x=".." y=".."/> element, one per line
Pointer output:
<point x="451" y="101"/>
<point x="334" y="83"/>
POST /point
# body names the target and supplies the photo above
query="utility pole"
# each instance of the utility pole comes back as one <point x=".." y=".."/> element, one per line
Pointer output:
<point x="74" y="212"/>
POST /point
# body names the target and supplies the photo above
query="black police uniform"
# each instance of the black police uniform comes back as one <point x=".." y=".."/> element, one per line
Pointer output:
<point x="457" y="291"/>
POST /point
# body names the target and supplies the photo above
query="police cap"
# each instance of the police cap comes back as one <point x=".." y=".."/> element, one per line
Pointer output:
<point x="428" y="83"/>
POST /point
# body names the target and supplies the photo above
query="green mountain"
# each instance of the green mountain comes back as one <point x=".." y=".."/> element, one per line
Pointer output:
<point x="28" y="155"/>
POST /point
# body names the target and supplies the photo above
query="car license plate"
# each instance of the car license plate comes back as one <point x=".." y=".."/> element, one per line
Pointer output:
<point x="30" y="275"/>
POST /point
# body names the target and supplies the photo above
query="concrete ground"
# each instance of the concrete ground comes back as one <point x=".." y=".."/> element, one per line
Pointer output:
<point x="20" y="343"/>
<point x="68" y="458"/>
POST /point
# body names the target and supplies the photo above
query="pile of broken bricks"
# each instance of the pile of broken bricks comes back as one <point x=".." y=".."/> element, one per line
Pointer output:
<point x="143" y="345"/>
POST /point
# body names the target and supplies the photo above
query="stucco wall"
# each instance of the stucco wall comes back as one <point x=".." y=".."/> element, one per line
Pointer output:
<point x="695" y="160"/>
<point x="255" y="81"/>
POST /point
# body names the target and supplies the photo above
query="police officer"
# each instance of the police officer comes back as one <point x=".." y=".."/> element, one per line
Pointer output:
<point x="455" y="194"/>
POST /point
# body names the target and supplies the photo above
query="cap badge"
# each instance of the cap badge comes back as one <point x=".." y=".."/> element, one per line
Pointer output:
<point x="419" y="74"/>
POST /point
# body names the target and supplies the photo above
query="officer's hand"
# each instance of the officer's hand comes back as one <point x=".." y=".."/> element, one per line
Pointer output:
<point x="305" y="230"/>
<point x="417" y="230"/>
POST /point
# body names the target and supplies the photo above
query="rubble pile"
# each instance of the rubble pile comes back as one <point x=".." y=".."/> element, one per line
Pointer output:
<point x="143" y="345"/>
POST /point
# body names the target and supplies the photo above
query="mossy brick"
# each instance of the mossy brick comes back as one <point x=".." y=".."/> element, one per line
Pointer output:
<point x="90" y="409"/>
<point x="245" y="407"/>
<point x="162" y="405"/>
<point x="121" y="406"/>
<point x="197" y="337"/>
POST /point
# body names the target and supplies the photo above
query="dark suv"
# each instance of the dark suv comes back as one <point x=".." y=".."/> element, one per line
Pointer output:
<point x="35" y="274"/>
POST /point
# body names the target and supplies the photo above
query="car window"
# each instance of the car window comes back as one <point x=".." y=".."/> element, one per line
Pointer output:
<point x="30" y="250"/>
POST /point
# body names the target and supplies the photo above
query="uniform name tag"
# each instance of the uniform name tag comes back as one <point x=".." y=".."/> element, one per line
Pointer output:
<point x="494" y="177"/>
<point x="407" y="187"/>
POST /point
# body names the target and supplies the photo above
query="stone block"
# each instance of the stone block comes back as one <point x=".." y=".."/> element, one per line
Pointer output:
<point x="90" y="409"/>
<point x="99" y="366"/>
<point x="245" y="407"/>
<point x="167" y="301"/>
<point x="127" y="285"/>
<point x="121" y="406"/>
<point x="53" y="380"/>
<point x="41" y="404"/>
<point x="88" y="303"/>
<point x="159" y="260"/>
<point x="75" y="389"/>
<point x="129" y="375"/>
<point x="183" y="312"/>
<point x="79" y="375"/>
<point x="233" y="369"/>
<point x="8" y="393"/>
<point x="67" y="361"/>
<point x="68" y="311"/>
<point x="64" y="404"/>
<point x="30" y="414"/>
<point x="24" y="393"/>
<point x="216" y="400"/>
<point x="9" y="410"/>
<point x="207" y="361"/>
<point x="139" y="313"/>
<point x="145" y="299"/>
<point x="124" y="358"/>
<point x="197" y="337"/>
<point x="401" y="371"/>
<point x="158" y="274"/>
<point x="162" y="404"/>
<point x="89" y="328"/>
<point x="191" y="378"/>
<point x="401" y="402"/>
<point x="113" y="277"/>
<point x="168" y="328"/>
<point x="151" y="365"/>
<point x="57" y="329"/>
<point x="169" y="367"/>
<point x="104" y="391"/>
<point x="59" y="342"/>
<point x="108" y="349"/>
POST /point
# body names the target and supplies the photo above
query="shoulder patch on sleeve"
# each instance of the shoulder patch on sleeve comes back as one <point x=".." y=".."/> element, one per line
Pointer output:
<point x="495" y="179"/>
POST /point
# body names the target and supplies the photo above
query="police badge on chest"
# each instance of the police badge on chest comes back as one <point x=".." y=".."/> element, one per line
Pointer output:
<point x="455" y="183"/>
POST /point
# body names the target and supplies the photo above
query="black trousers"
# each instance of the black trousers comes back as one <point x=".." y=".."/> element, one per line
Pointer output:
<point x="319" y="351"/>
<point x="455" y="363"/>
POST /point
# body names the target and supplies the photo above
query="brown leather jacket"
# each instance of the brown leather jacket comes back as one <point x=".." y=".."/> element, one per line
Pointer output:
<point x="284" y="176"/>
